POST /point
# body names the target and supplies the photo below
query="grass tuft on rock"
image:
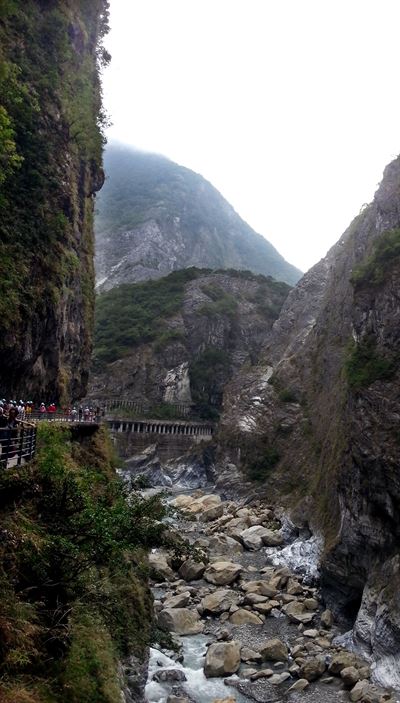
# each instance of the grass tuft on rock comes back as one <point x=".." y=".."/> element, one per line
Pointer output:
<point x="385" y="254"/>
<point x="365" y="364"/>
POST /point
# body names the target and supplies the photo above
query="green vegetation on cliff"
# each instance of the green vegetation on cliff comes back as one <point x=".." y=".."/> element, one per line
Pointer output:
<point x="134" y="314"/>
<point x="365" y="364"/>
<point x="51" y="142"/>
<point x="73" y="595"/>
<point x="385" y="255"/>
<point x="208" y="321"/>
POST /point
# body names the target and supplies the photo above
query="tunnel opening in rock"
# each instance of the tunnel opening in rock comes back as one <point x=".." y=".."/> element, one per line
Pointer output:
<point x="351" y="608"/>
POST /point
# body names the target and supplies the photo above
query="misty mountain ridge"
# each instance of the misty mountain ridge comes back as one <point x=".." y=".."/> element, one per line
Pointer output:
<point x="154" y="216"/>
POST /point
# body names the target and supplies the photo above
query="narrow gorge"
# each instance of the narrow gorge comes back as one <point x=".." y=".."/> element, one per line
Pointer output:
<point x="211" y="513"/>
<point x="310" y="426"/>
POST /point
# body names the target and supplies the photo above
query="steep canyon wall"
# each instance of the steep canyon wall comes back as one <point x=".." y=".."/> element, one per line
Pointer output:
<point x="324" y="408"/>
<point x="50" y="168"/>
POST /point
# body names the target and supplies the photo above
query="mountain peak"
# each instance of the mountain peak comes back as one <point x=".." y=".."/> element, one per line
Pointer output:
<point x="154" y="216"/>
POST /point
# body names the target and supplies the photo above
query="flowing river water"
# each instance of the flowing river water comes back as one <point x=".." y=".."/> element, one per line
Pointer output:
<point x="178" y="676"/>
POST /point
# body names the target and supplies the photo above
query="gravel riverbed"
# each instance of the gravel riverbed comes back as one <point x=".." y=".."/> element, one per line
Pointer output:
<point x="245" y="614"/>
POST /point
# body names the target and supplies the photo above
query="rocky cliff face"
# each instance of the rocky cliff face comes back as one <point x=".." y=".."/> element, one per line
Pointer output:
<point x="50" y="168"/>
<point x="201" y="327"/>
<point x="154" y="217"/>
<point x="324" y="408"/>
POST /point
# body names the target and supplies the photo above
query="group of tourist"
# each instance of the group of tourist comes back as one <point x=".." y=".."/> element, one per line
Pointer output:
<point x="27" y="410"/>
<point x="20" y="409"/>
<point x="16" y="415"/>
<point x="9" y="424"/>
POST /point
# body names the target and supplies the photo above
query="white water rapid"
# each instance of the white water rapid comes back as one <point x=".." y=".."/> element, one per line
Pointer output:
<point x="196" y="686"/>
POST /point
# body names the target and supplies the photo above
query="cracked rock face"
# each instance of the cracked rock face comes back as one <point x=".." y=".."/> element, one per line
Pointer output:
<point x="338" y="439"/>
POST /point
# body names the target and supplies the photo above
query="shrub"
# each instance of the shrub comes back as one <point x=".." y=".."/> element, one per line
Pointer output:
<point x="288" y="396"/>
<point x="167" y="337"/>
<point x="385" y="254"/>
<point x="262" y="463"/>
<point x="72" y="594"/>
<point x="135" y="313"/>
<point x="364" y="364"/>
<point x="207" y="374"/>
<point x="90" y="669"/>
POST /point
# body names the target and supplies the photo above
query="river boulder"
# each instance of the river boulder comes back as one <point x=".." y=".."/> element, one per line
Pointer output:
<point x="199" y="505"/>
<point x="222" y="659"/>
<point x="261" y="588"/>
<point x="178" y="601"/>
<point x="180" y="620"/>
<point x="169" y="675"/>
<point x="273" y="650"/>
<point x="312" y="669"/>
<point x="251" y="538"/>
<point x="297" y="612"/>
<point x="159" y="567"/>
<point x="192" y="570"/>
<point x="222" y="573"/>
<point x="212" y="513"/>
<point x="271" y="538"/>
<point x="220" y="601"/>
<point x="245" y="617"/>
<point x="221" y="544"/>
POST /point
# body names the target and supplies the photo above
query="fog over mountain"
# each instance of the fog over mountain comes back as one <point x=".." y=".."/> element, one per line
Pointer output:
<point x="154" y="216"/>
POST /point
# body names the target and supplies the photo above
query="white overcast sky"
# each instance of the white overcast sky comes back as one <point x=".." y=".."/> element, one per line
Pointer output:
<point x="291" y="108"/>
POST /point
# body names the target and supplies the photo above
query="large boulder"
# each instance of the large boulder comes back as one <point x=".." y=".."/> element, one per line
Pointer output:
<point x="357" y="693"/>
<point x="312" y="669"/>
<point x="199" y="505"/>
<point x="220" y="601"/>
<point x="159" y="567"/>
<point x="272" y="538"/>
<point x="250" y="655"/>
<point x="212" y="513"/>
<point x="343" y="660"/>
<point x="222" y="659"/>
<point x="261" y="588"/>
<point x="299" y="685"/>
<point x="223" y="544"/>
<point x="298" y="613"/>
<point x="327" y="619"/>
<point x="251" y="538"/>
<point x="222" y="573"/>
<point x="254" y="599"/>
<point x="255" y="537"/>
<point x="178" y="601"/>
<point x="192" y="570"/>
<point x="180" y="620"/>
<point x="245" y="617"/>
<point x="182" y="501"/>
<point x="350" y="676"/>
<point x="273" y="650"/>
